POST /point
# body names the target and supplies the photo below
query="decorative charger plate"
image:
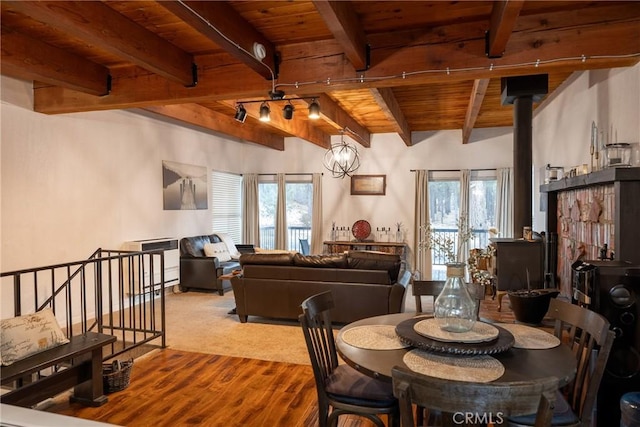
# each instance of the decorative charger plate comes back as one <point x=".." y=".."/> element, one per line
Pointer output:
<point x="531" y="338"/>
<point x="479" y="368"/>
<point x="373" y="337"/>
<point x="361" y="229"/>
<point x="480" y="332"/>
<point x="405" y="329"/>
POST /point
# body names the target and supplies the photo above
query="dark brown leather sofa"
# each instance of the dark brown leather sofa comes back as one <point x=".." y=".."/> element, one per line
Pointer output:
<point x="363" y="284"/>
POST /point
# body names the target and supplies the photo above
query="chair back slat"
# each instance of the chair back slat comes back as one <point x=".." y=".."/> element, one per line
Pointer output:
<point x="318" y="333"/>
<point x="336" y="395"/>
<point x="481" y="399"/>
<point x="590" y="339"/>
<point x="422" y="288"/>
<point x="433" y="288"/>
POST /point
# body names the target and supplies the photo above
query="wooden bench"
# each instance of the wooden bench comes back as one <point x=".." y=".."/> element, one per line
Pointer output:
<point x="83" y="354"/>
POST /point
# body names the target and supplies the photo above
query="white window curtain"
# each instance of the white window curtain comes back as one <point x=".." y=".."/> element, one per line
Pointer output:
<point x="281" y="214"/>
<point x="316" y="215"/>
<point x="504" y="202"/>
<point x="250" y="210"/>
<point x="465" y="181"/>
<point x="422" y="256"/>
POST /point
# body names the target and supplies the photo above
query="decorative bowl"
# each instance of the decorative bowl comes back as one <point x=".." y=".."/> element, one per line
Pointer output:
<point x="531" y="306"/>
<point x="361" y="229"/>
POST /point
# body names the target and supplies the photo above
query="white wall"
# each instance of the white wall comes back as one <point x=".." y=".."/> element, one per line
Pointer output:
<point x="73" y="183"/>
<point x="562" y="125"/>
<point x="388" y="155"/>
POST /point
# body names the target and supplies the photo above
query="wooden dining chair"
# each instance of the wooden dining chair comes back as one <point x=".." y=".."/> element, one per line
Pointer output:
<point x="341" y="389"/>
<point x="422" y="288"/>
<point x="432" y="288"/>
<point x="463" y="402"/>
<point x="590" y="339"/>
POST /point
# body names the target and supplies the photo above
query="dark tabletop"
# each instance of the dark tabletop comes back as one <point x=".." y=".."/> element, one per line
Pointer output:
<point x="520" y="364"/>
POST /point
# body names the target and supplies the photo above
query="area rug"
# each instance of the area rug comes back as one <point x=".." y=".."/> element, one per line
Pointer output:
<point x="200" y="322"/>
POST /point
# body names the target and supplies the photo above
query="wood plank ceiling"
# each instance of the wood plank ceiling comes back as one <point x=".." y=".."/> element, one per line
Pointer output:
<point x="373" y="66"/>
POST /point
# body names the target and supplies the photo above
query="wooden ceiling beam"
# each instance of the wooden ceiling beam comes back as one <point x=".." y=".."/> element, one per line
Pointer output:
<point x="389" y="105"/>
<point x="347" y="30"/>
<point x="337" y="117"/>
<point x="98" y="24"/>
<point x="503" y="20"/>
<point x="475" y="103"/>
<point x="223" y="25"/>
<point x="203" y="117"/>
<point x="30" y="59"/>
<point x="320" y="63"/>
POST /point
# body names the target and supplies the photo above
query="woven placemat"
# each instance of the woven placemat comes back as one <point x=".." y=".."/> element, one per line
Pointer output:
<point x="481" y="368"/>
<point x="373" y="337"/>
<point x="480" y="332"/>
<point x="530" y="338"/>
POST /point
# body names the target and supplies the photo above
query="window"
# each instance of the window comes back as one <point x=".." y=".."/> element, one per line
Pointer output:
<point x="482" y="208"/>
<point x="268" y="200"/>
<point x="444" y="210"/>
<point x="299" y="207"/>
<point x="226" y="204"/>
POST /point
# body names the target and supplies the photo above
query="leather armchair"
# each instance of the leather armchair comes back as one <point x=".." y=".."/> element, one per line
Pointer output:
<point x="199" y="271"/>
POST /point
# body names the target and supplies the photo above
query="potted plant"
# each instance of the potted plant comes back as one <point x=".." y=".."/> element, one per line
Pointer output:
<point x="531" y="305"/>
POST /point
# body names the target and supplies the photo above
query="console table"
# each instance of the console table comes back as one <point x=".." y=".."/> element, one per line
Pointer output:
<point x="398" y="248"/>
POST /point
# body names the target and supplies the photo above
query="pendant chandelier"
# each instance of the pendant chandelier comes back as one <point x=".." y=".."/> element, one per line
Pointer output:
<point x="342" y="158"/>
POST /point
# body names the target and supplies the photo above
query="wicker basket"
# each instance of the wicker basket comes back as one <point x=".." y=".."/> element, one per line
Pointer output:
<point x="116" y="375"/>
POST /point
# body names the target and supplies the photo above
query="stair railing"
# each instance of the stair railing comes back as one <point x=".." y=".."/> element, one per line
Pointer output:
<point x="120" y="293"/>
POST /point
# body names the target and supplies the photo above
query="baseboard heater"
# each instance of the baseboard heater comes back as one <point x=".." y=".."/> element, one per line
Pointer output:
<point x="171" y="263"/>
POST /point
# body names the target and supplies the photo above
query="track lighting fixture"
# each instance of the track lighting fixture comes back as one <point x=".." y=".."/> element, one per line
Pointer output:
<point x="287" y="111"/>
<point x="276" y="96"/>
<point x="265" y="112"/>
<point x="314" y="110"/>
<point x="241" y="113"/>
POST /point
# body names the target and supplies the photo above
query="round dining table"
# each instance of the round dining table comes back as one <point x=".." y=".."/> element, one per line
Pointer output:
<point x="520" y="364"/>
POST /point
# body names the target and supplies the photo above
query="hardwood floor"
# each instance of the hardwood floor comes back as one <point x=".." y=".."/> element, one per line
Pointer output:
<point x="176" y="388"/>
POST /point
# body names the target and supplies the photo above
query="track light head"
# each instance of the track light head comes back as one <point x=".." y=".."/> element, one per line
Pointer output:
<point x="265" y="112"/>
<point x="241" y="113"/>
<point x="314" y="110"/>
<point x="276" y="96"/>
<point x="287" y="111"/>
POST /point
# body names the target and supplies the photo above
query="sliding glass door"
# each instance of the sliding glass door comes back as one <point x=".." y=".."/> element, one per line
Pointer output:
<point x="444" y="210"/>
<point x="299" y="207"/>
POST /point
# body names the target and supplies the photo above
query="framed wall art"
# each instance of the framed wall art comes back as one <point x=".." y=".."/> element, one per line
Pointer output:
<point x="184" y="187"/>
<point x="368" y="185"/>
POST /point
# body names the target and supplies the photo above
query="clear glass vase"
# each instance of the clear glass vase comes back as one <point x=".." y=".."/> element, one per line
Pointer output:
<point x="454" y="308"/>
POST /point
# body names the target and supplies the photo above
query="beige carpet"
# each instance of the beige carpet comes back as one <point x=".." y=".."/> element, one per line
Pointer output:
<point x="198" y="321"/>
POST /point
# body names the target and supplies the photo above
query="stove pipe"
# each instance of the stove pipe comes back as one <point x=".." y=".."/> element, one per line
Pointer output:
<point x="522" y="92"/>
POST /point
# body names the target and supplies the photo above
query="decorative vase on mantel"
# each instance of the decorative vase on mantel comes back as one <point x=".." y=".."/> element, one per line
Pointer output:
<point x="454" y="308"/>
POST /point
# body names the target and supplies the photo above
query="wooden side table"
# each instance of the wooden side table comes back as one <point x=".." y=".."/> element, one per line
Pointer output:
<point x="230" y="276"/>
